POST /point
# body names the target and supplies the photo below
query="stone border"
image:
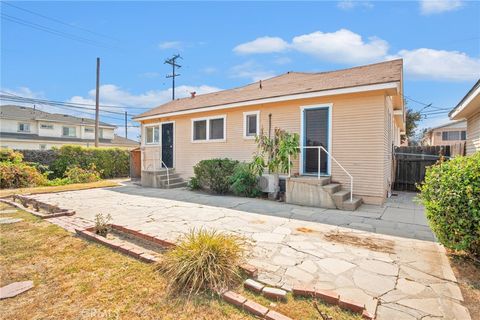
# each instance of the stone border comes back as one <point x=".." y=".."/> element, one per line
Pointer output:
<point x="333" y="298"/>
<point x="88" y="233"/>
<point x="252" y="306"/>
<point x="37" y="205"/>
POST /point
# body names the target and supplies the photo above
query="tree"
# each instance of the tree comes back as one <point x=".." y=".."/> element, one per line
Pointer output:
<point x="412" y="119"/>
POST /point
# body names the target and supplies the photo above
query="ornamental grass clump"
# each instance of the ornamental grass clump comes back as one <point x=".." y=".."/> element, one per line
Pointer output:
<point x="204" y="261"/>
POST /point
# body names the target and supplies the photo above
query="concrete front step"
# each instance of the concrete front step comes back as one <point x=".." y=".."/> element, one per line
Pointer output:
<point x="176" y="185"/>
<point x="351" y="206"/>
<point x="312" y="180"/>
<point x="332" y="188"/>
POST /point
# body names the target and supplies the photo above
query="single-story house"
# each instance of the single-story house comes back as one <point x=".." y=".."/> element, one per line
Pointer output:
<point x="454" y="132"/>
<point x="469" y="108"/>
<point x="356" y="114"/>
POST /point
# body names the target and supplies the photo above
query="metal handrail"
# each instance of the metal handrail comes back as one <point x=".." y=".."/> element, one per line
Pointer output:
<point x="168" y="175"/>
<point x="319" y="158"/>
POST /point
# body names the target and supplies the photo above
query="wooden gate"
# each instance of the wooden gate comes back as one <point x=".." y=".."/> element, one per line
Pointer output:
<point x="411" y="164"/>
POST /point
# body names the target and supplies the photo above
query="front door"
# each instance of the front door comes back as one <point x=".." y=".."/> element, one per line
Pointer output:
<point x="315" y="133"/>
<point x="167" y="144"/>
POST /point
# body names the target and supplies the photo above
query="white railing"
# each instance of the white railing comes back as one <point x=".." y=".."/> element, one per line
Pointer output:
<point x="168" y="175"/>
<point x="319" y="148"/>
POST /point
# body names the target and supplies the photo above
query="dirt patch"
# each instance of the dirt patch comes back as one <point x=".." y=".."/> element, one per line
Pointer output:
<point x="467" y="273"/>
<point x="305" y="230"/>
<point x="374" y="244"/>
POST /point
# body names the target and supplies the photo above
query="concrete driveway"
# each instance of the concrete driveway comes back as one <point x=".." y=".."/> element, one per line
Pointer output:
<point x="388" y="268"/>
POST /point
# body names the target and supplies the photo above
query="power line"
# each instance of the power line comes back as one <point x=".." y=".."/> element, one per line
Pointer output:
<point x="52" y="31"/>
<point x="59" y="21"/>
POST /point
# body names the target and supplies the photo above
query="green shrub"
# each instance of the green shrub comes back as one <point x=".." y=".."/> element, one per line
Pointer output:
<point x="244" y="182"/>
<point x="79" y="175"/>
<point x="19" y="175"/>
<point x="8" y="155"/>
<point x="102" y="224"/>
<point x="57" y="182"/>
<point x="41" y="157"/>
<point x="451" y="196"/>
<point x="193" y="183"/>
<point x="204" y="261"/>
<point x="214" y="174"/>
<point x="110" y="162"/>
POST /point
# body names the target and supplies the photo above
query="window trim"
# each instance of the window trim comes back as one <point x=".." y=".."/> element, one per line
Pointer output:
<point x="69" y="136"/>
<point x="207" y="137"/>
<point x="24" y="123"/>
<point x="157" y="125"/>
<point x="249" y="113"/>
<point x="90" y="130"/>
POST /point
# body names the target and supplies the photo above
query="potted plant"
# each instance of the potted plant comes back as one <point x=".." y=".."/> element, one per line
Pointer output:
<point x="274" y="154"/>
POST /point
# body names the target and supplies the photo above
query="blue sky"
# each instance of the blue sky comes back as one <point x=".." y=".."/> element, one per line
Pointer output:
<point x="224" y="45"/>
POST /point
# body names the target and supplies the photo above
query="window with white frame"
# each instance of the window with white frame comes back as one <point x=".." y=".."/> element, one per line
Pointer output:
<point x="46" y="126"/>
<point x="43" y="147"/>
<point x="89" y="130"/>
<point x="208" y="129"/>
<point x="24" y="127"/>
<point x="454" y="135"/>
<point x="251" y="123"/>
<point x="69" y="131"/>
<point x="152" y="134"/>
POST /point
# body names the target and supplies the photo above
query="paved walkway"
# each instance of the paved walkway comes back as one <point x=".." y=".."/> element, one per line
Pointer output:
<point x="395" y="277"/>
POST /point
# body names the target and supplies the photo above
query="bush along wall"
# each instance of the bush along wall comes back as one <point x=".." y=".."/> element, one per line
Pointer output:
<point x="110" y="162"/>
<point x="42" y="157"/>
<point x="451" y="196"/>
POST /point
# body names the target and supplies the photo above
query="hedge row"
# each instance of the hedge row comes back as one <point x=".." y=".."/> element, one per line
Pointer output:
<point x="110" y="162"/>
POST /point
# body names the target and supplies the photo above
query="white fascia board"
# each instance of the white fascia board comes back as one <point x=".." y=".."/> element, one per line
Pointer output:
<point x="465" y="103"/>
<point x="383" y="86"/>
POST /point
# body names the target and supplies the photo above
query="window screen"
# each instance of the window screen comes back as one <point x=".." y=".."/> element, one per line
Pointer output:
<point x="216" y="128"/>
<point x="251" y="124"/>
<point x="200" y="130"/>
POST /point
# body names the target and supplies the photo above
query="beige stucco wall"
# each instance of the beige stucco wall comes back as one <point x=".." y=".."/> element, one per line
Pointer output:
<point x="473" y="133"/>
<point x="359" y="139"/>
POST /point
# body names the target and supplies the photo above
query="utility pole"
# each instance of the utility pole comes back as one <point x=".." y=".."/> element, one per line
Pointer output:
<point x="97" y="105"/>
<point x="172" y="62"/>
<point x="126" y="132"/>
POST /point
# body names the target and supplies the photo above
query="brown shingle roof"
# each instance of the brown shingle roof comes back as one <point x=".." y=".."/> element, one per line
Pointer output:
<point x="287" y="84"/>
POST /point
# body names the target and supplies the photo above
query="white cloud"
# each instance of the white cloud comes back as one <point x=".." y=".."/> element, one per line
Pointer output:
<point x="342" y="46"/>
<point x="250" y="70"/>
<point x="442" y="65"/>
<point x="209" y="70"/>
<point x="438" y="6"/>
<point x="170" y="45"/>
<point x="262" y="45"/>
<point x="350" y="4"/>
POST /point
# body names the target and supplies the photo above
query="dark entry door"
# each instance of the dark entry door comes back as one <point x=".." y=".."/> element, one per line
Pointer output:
<point x="315" y="134"/>
<point x="167" y="144"/>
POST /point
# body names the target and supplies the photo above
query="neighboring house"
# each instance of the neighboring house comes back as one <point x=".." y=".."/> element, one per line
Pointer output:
<point x="469" y="108"/>
<point x="448" y="134"/>
<point x="357" y="114"/>
<point x="32" y="129"/>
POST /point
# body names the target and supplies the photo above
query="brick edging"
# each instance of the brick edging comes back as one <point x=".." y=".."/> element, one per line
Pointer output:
<point x="252" y="306"/>
<point x="62" y="212"/>
<point x="333" y="298"/>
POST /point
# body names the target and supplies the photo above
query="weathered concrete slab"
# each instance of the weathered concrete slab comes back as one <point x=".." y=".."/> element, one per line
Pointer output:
<point x="9" y="220"/>
<point x="14" y="289"/>
<point x="291" y="246"/>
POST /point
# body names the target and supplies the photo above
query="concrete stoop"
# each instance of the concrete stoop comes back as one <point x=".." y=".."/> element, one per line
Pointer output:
<point x="159" y="179"/>
<point x="319" y="192"/>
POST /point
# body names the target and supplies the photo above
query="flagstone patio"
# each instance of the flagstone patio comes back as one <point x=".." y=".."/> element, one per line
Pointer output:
<point x="375" y="255"/>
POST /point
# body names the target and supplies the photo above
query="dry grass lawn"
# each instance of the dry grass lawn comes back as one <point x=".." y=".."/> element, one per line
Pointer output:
<point x="68" y="187"/>
<point x="76" y="279"/>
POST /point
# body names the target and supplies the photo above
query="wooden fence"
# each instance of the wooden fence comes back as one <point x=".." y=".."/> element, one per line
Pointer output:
<point x="410" y="163"/>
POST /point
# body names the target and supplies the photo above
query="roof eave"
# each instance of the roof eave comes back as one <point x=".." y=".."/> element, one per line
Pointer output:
<point x="393" y="85"/>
